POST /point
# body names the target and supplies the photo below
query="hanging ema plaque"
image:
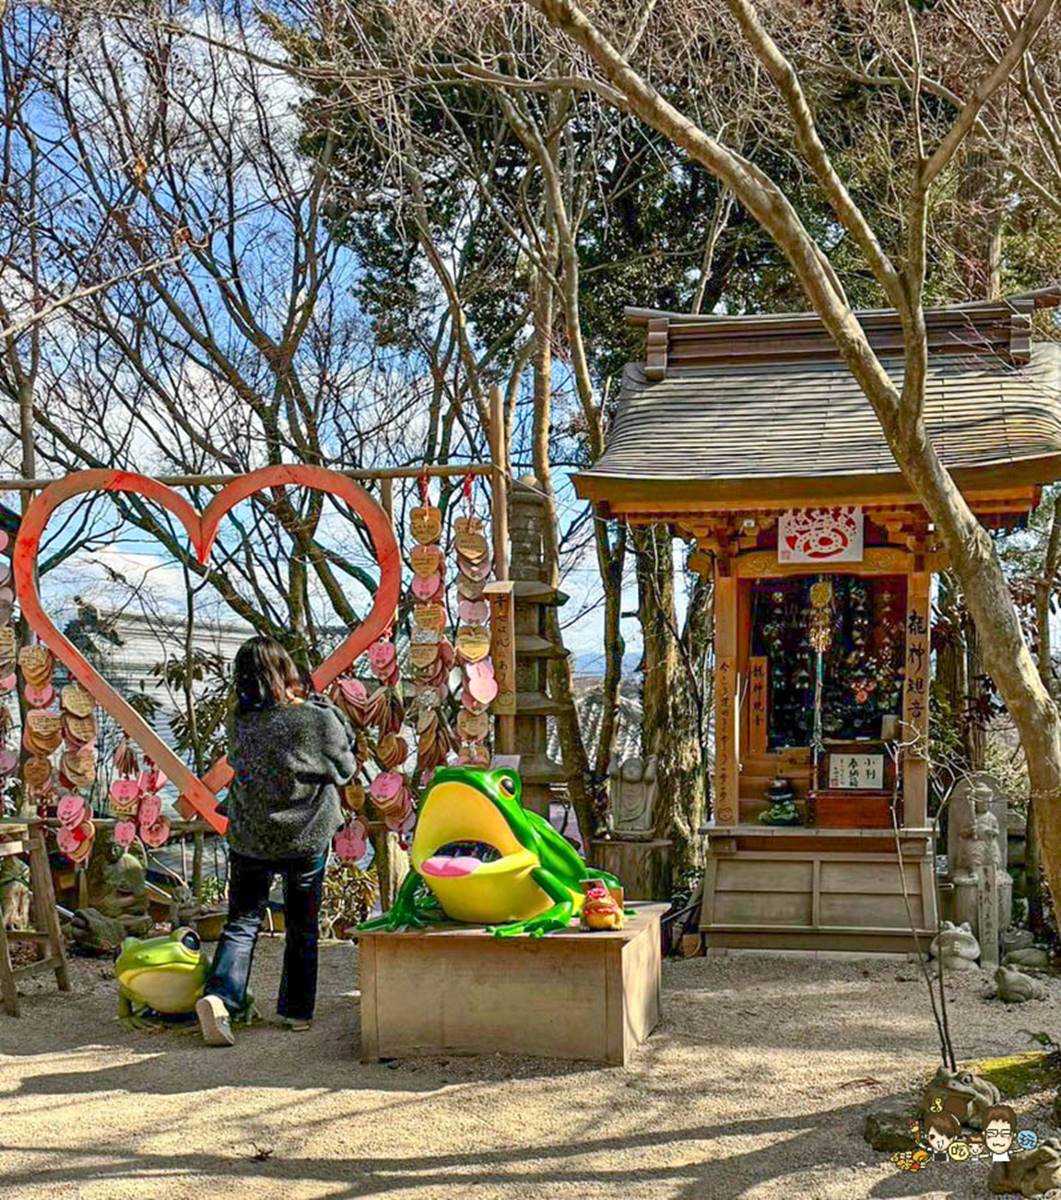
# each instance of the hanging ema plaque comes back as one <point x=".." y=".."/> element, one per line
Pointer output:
<point x="820" y="535"/>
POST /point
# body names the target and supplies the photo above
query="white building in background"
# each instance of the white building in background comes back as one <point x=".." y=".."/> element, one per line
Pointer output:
<point x="129" y="647"/>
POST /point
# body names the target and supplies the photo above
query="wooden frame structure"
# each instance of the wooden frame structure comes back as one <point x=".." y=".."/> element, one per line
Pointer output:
<point x="730" y="423"/>
<point x="198" y="796"/>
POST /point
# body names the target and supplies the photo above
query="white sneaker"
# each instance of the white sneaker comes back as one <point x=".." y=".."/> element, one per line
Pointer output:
<point x="214" y="1021"/>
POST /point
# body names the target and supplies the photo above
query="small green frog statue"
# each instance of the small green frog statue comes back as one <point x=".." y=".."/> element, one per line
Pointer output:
<point x="163" y="976"/>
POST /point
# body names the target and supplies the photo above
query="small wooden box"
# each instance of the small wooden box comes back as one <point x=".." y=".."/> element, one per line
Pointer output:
<point x="845" y="808"/>
<point x="460" y="990"/>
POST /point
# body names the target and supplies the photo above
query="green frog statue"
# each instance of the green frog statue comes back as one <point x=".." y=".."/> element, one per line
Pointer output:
<point x="163" y="977"/>
<point x="480" y="857"/>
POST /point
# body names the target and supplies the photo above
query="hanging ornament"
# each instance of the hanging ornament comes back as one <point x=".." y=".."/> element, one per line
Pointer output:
<point x="820" y="616"/>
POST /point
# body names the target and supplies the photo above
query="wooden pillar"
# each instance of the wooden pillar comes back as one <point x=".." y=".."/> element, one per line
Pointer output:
<point x="914" y="733"/>
<point x="727" y="761"/>
<point x="501" y="600"/>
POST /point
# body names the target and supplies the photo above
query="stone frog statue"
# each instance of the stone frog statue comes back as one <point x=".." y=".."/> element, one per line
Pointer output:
<point x="117" y="897"/>
<point x="1014" y="987"/>
<point x="965" y="1095"/>
<point x="1029" y="1173"/>
<point x="956" y="947"/>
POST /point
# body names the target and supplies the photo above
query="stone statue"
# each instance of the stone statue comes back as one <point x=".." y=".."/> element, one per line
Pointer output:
<point x="117" y="897"/>
<point x="962" y="1093"/>
<point x="632" y="791"/>
<point x="1017" y="939"/>
<point x="956" y="947"/>
<point x="1030" y="958"/>
<point x="1028" y="1173"/>
<point x="977" y="846"/>
<point x="16" y="896"/>
<point x="1014" y="987"/>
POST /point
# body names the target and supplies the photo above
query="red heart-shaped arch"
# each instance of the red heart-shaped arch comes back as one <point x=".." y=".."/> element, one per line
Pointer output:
<point x="198" y="794"/>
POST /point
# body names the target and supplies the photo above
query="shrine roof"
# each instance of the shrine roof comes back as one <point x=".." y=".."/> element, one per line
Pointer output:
<point x="761" y="409"/>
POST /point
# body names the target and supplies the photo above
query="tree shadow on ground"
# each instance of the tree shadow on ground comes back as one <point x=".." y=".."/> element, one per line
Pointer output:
<point x="808" y="1142"/>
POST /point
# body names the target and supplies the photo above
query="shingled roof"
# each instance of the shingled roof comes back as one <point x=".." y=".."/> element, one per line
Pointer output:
<point x="723" y="406"/>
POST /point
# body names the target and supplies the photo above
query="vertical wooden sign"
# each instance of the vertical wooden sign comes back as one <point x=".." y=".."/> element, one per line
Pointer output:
<point x="499" y="593"/>
<point x="726" y="742"/>
<point x="914" y="732"/>
<point x="757" y="704"/>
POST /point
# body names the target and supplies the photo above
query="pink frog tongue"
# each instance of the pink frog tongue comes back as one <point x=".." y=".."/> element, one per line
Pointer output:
<point x="444" y="867"/>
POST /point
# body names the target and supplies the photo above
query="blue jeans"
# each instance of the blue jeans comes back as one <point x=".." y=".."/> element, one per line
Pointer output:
<point x="248" y="892"/>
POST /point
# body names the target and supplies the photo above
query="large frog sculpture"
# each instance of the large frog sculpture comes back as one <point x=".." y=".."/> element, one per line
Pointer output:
<point x="480" y="857"/>
<point x="163" y="976"/>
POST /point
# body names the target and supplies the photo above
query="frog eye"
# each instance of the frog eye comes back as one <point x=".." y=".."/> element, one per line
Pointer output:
<point x="507" y="785"/>
<point x="190" y="940"/>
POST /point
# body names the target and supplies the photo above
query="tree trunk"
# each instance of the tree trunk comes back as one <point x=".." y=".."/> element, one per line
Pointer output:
<point x="572" y="748"/>
<point x="671" y="726"/>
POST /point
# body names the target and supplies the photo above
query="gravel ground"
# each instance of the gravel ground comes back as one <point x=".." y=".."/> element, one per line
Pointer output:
<point x="754" y="1086"/>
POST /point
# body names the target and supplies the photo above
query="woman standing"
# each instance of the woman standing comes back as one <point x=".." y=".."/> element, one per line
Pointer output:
<point x="290" y="752"/>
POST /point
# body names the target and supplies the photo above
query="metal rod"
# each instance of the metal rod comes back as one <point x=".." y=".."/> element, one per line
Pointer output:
<point x="14" y="485"/>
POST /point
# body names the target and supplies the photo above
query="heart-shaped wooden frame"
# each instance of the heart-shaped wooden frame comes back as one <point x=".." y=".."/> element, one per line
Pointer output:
<point x="199" y="796"/>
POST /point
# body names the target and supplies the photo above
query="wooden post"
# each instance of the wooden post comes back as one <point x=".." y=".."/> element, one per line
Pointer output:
<point x="914" y="732"/>
<point x="727" y="761"/>
<point x="505" y="717"/>
<point x="391" y="862"/>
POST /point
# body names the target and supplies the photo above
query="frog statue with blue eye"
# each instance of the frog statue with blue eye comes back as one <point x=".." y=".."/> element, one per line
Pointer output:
<point x="164" y="976"/>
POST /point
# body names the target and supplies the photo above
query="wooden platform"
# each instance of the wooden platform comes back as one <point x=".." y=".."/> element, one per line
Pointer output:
<point x="459" y="990"/>
<point x="818" y="889"/>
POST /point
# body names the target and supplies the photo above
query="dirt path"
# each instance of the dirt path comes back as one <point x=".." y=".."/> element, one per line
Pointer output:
<point x="755" y="1086"/>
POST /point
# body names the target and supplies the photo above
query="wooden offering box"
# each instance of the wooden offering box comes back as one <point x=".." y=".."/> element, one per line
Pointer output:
<point x="460" y="990"/>
<point x="842" y="808"/>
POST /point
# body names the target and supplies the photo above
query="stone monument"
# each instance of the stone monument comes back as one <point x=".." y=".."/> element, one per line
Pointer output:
<point x="976" y="849"/>
<point x="632" y="792"/>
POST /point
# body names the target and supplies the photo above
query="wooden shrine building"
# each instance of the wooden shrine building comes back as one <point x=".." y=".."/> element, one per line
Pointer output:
<point x="750" y="436"/>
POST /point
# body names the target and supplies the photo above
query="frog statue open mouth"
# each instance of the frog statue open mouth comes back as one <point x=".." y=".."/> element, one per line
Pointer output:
<point x="480" y="857"/>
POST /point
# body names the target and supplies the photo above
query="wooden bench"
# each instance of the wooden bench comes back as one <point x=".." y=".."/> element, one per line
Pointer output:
<point x="459" y="990"/>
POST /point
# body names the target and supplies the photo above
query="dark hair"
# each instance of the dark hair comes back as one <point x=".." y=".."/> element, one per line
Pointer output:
<point x="999" y="1112"/>
<point x="263" y="671"/>
<point x="943" y="1122"/>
